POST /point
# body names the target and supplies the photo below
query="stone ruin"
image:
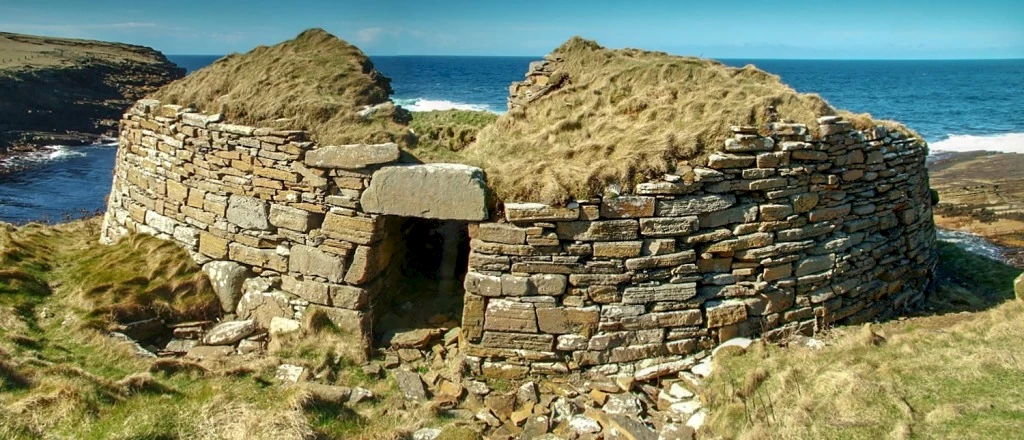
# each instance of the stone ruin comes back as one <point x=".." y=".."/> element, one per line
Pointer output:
<point x="775" y="236"/>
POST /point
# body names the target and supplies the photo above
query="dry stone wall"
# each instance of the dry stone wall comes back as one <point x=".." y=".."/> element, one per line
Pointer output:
<point x="781" y="234"/>
<point x="276" y="220"/>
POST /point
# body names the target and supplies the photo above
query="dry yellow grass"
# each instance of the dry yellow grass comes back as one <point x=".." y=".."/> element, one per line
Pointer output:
<point x="949" y="375"/>
<point x="315" y="82"/>
<point x="626" y="116"/>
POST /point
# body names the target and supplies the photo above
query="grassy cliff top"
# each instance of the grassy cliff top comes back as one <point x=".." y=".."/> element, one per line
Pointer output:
<point x="627" y="115"/>
<point x="315" y="82"/>
<point x="29" y="52"/>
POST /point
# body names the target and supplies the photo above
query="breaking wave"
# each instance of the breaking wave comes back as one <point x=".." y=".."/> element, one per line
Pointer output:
<point x="1003" y="143"/>
<point x="427" y="105"/>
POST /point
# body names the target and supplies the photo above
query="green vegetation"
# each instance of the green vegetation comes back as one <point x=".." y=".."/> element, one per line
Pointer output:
<point x="62" y="377"/>
<point x="951" y="374"/>
<point x="441" y="135"/>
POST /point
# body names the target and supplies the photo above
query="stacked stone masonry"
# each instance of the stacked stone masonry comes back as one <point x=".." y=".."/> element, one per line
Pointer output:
<point x="777" y="235"/>
<point x="265" y="206"/>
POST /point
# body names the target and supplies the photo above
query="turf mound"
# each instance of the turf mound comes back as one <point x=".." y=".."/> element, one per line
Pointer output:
<point x="623" y="116"/>
<point x="315" y="82"/>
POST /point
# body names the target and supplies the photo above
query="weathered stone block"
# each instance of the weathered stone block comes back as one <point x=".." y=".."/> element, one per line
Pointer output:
<point x="440" y="191"/>
<point x="510" y="316"/>
<point x="266" y="258"/>
<point x="352" y="156"/>
<point x="666" y="260"/>
<point x="549" y="284"/>
<point x="805" y="202"/>
<point x="824" y="214"/>
<point x="627" y="207"/>
<point x="816" y="264"/>
<point x="249" y="213"/>
<point x="212" y="245"/>
<point x="227" y="277"/>
<point x="723" y="313"/>
<point x="518" y="341"/>
<point x="779" y="272"/>
<point x="483" y="285"/>
<point x="668" y="226"/>
<point x="473" y="317"/>
<point x="694" y="205"/>
<point x="562" y="320"/>
<point x="605" y="230"/>
<point x="308" y="260"/>
<point x="664" y="292"/>
<point x="538" y="212"/>
<point x="725" y="160"/>
<point x="617" y="249"/>
<point x="499" y="233"/>
<point x="293" y="218"/>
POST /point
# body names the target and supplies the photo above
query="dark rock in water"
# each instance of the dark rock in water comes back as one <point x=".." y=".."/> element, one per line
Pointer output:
<point x="69" y="92"/>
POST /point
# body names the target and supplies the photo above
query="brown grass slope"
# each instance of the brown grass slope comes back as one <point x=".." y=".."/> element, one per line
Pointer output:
<point x="315" y="82"/>
<point x="628" y="115"/>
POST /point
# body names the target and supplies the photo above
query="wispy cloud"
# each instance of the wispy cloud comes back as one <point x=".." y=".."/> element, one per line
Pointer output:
<point x="371" y="34"/>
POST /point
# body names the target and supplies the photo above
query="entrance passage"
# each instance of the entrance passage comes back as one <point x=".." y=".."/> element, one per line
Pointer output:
<point x="425" y="281"/>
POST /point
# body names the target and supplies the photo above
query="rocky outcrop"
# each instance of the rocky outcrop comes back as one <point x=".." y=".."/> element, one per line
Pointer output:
<point x="71" y="91"/>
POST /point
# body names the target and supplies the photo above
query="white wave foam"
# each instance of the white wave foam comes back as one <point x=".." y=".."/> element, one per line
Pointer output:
<point x="49" y="153"/>
<point x="428" y="105"/>
<point x="1004" y="143"/>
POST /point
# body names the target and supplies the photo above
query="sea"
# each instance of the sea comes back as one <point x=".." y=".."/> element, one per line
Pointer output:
<point x="954" y="105"/>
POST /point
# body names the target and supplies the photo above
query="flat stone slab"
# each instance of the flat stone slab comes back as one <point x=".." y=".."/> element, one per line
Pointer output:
<point x="352" y="156"/>
<point x="439" y="191"/>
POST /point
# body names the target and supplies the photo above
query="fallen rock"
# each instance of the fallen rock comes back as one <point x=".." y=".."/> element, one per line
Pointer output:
<point x="625" y="403"/>
<point x="527" y="393"/>
<point x="360" y="394"/>
<point x="280" y="326"/>
<point x="328" y="393"/>
<point x="411" y="385"/>
<point x="621" y="426"/>
<point x="584" y="424"/>
<point x="484" y="415"/>
<point x="227" y="277"/>
<point x="209" y="352"/>
<point x="180" y="345"/>
<point x="416" y="338"/>
<point x="426" y="434"/>
<point x="229" y="332"/>
<point x="742" y="343"/>
<point x="535" y="427"/>
<point x="697" y="420"/>
<point x="672" y="431"/>
<point x="703" y="369"/>
<point x="290" y="373"/>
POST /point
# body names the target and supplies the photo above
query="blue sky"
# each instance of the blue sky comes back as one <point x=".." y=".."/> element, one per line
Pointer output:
<point x="866" y="29"/>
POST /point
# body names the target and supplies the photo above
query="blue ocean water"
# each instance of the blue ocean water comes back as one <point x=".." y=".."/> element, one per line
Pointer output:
<point x="955" y="105"/>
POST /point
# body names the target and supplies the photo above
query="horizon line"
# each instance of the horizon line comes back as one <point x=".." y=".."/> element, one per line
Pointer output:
<point x="696" y="56"/>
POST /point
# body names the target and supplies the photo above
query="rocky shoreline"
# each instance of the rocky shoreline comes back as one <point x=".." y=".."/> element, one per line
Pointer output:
<point x="70" y="92"/>
<point x="982" y="193"/>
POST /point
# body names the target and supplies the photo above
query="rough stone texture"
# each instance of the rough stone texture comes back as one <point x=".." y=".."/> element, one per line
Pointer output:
<point x="441" y="191"/>
<point x="227" y="277"/>
<point x="785" y="233"/>
<point x="767" y="242"/>
<point x="352" y="156"/>
<point x="229" y="332"/>
<point x="1018" y="287"/>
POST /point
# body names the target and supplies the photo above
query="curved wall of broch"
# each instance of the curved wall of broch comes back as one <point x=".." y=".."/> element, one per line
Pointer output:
<point x="777" y="235"/>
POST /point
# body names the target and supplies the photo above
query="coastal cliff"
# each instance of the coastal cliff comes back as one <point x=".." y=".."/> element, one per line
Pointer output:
<point x="55" y="90"/>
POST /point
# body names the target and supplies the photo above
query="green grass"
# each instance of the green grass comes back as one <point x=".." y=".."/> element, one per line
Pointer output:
<point x="440" y="135"/>
<point x="951" y="374"/>
<point x="61" y="377"/>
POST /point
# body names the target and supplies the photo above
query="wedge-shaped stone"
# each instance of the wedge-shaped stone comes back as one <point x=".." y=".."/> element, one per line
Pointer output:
<point x="519" y="341"/>
<point x="668" y="226"/>
<point x="666" y="260"/>
<point x="539" y="212"/>
<point x="664" y="292"/>
<point x="439" y="191"/>
<point x="607" y="230"/>
<point x="694" y="205"/>
<point x="352" y="156"/>
<point x="628" y="207"/>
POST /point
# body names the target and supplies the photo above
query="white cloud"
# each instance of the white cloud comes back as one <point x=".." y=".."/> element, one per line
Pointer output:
<point x="369" y="35"/>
